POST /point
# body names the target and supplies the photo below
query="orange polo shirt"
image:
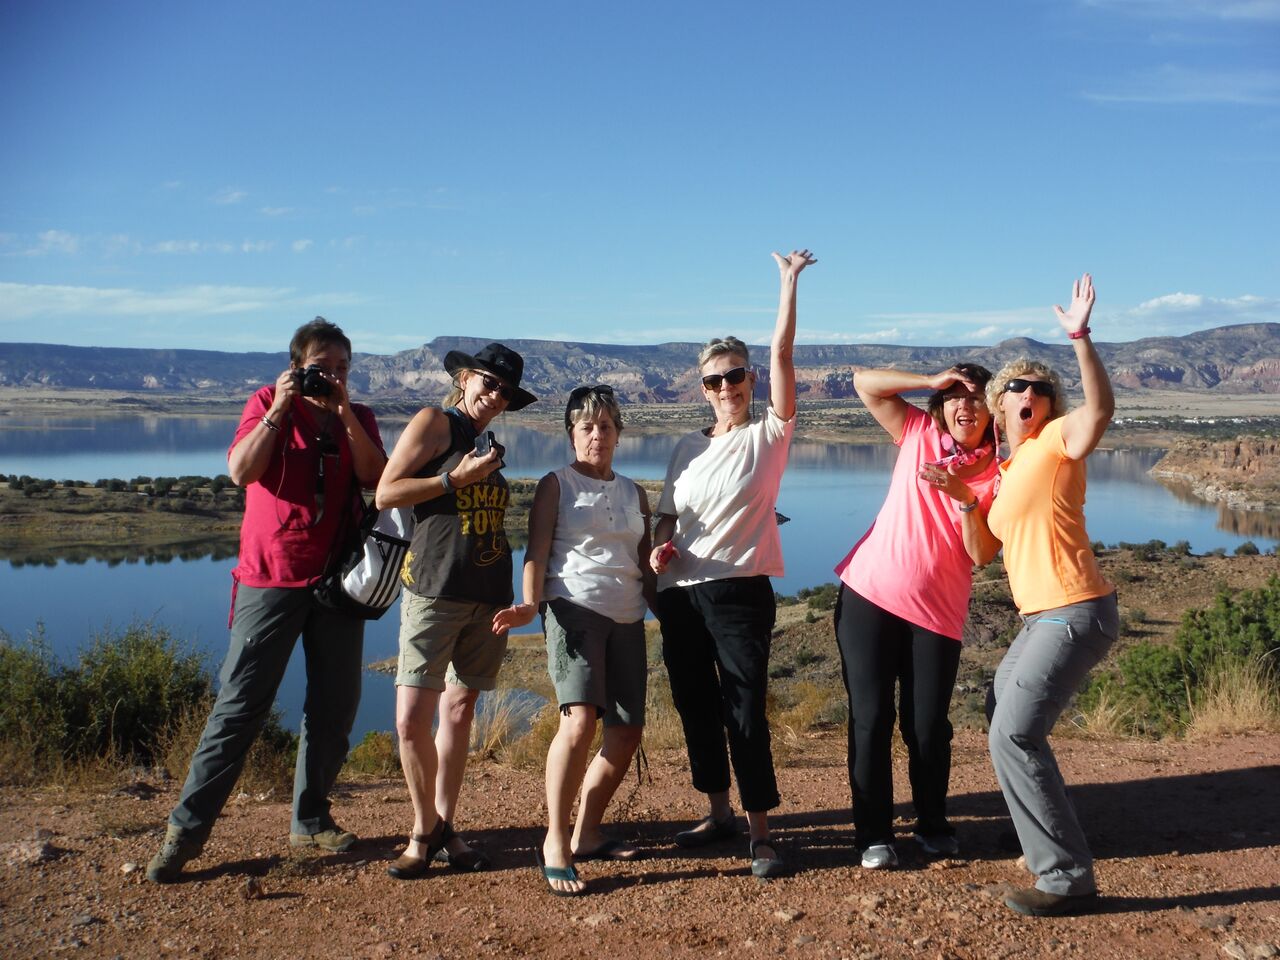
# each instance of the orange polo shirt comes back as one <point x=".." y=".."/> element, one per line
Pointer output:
<point x="1039" y="516"/>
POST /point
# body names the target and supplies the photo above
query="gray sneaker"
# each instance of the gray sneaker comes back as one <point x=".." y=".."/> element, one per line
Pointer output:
<point x="941" y="845"/>
<point x="179" y="846"/>
<point x="335" y="839"/>
<point x="879" y="856"/>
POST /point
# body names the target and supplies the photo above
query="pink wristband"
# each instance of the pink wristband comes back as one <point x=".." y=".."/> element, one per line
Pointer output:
<point x="1079" y="334"/>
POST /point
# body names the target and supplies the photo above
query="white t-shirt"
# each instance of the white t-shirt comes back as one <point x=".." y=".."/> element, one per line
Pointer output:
<point x="722" y="492"/>
<point x="594" y="560"/>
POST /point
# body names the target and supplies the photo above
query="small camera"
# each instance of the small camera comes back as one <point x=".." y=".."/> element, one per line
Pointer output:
<point x="484" y="443"/>
<point x="312" y="382"/>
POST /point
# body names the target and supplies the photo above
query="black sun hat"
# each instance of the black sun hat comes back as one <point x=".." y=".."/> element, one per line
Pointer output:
<point x="498" y="360"/>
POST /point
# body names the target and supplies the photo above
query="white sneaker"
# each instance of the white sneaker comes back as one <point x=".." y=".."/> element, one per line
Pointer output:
<point x="879" y="856"/>
<point x="942" y="845"/>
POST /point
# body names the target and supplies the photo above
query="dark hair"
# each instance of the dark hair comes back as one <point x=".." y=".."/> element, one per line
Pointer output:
<point x="976" y="374"/>
<point x="313" y="334"/>
<point x="587" y="401"/>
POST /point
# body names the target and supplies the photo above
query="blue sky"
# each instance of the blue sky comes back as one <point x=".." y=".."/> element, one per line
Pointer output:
<point x="212" y="175"/>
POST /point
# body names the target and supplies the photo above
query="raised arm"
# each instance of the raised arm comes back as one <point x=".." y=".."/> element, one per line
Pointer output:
<point x="367" y="459"/>
<point x="879" y="391"/>
<point x="248" y="459"/>
<point x="782" y="367"/>
<point x="542" y="527"/>
<point x="1084" y="426"/>
<point x="426" y="437"/>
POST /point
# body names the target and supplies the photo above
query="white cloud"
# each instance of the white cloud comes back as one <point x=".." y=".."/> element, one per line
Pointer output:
<point x="1172" y="83"/>
<point x="1249" y="10"/>
<point x="1174" y="314"/>
<point x="301" y="246"/>
<point x="229" y="195"/>
<point x="21" y="303"/>
<point x="53" y="241"/>
<point x="275" y="211"/>
<point x="257" y="246"/>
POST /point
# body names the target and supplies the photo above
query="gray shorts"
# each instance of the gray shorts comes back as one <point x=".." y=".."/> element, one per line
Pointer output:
<point x="597" y="661"/>
<point x="437" y="633"/>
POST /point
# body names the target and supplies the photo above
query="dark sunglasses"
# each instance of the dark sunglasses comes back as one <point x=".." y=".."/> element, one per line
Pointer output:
<point x="578" y="394"/>
<point x="1040" y="388"/>
<point x="735" y="376"/>
<point x="493" y="384"/>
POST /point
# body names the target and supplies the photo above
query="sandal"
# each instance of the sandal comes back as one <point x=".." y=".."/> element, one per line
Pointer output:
<point x="557" y="873"/>
<point x="409" y="867"/>
<point x="471" y="860"/>
<point x="611" y="849"/>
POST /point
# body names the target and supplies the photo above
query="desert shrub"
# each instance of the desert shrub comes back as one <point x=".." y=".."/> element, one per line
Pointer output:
<point x="1160" y="684"/>
<point x="1145" y="551"/>
<point x="127" y="689"/>
<point x="1247" y="549"/>
<point x="32" y="728"/>
<point x="820" y="598"/>
<point x="374" y="756"/>
<point x="1238" y="696"/>
<point x="1181" y="548"/>
<point x="1216" y="552"/>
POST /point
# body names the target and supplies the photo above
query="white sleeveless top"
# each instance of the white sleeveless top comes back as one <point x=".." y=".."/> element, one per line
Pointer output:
<point x="593" y="560"/>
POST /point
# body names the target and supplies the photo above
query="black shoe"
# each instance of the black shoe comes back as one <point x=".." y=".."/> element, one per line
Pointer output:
<point x="409" y="867"/>
<point x="1035" y="902"/>
<point x="470" y="860"/>
<point x="767" y="868"/>
<point x="718" y="830"/>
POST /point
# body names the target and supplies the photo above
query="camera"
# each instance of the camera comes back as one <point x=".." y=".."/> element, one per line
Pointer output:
<point x="312" y="382"/>
<point x="484" y="443"/>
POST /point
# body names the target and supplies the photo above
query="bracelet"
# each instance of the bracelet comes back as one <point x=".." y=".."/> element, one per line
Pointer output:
<point x="969" y="508"/>
<point x="1079" y="334"/>
<point x="446" y="483"/>
<point x="270" y="424"/>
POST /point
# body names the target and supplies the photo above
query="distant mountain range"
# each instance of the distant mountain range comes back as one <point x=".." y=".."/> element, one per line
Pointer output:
<point x="1236" y="359"/>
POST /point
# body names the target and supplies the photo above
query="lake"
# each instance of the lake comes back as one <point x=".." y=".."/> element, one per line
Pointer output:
<point x="831" y="493"/>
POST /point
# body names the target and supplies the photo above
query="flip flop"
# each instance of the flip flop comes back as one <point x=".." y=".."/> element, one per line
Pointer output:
<point x="611" y="849"/>
<point x="557" y="873"/>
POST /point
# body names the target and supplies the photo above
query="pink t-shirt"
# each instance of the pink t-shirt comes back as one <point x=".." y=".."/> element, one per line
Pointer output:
<point x="912" y="561"/>
<point x="285" y="537"/>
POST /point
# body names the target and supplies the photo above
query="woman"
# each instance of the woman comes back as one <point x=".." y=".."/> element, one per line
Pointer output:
<point x="1069" y="611"/>
<point x="905" y="595"/>
<point x="301" y="452"/>
<point x="457" y="575"/>
<point x="586" y="569"/>
<point x="717" y="546"/>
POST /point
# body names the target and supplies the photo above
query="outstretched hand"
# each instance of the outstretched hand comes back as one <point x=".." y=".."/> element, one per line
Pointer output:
<point x="1082" y="297"/>
<point x="952" y="375"/>
<point x="794" y="262"/>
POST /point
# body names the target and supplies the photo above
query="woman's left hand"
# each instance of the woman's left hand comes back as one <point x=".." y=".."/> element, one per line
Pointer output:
<point x="517" y="615"/>
<point x="1076" y="318"/>
<point x="794" y="262"/>
<point x="942" y="479"/>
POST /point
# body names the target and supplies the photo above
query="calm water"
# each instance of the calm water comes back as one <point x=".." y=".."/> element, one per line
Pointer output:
<point x="830" y="492"/>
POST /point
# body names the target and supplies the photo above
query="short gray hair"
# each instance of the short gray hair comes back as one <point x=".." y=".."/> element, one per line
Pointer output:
<point x="718" y="347"/>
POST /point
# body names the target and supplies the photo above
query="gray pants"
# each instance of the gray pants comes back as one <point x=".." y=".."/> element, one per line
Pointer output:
<point x="265" y="628"/>
<point x="1045" y="666"/>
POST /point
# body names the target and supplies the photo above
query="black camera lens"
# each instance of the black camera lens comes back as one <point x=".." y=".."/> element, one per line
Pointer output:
<point x="311" y="382"/>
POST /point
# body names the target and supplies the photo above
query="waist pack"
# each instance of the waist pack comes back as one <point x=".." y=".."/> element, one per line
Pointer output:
<point x="367" y="580"/>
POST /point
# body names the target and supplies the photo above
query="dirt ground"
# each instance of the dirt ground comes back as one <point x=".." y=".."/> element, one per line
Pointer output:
<point x="1188" y="862"/>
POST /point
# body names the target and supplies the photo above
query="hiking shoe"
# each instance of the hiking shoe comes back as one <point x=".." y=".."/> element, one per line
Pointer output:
<point x="179" y="846"/>
<point x="939" y="845"/>
<point x="879" y="856"/>
<point x="335" y="839"/>
<point x="1035" y="902"/>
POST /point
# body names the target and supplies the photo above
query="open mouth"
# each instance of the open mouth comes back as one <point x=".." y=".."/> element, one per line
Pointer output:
<point x="1025" y="413"/>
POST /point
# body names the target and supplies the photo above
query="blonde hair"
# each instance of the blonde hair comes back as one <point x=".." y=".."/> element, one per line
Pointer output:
<point x="717" y="347"/>
<point x="1012" y="371"/>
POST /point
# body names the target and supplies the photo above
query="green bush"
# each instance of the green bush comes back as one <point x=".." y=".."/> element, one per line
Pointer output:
<point x="32" y="726"/>
<point x="1158" y="683"/>
<point x="127" y="690"/>
<point x="820" y="598"/>
<point x="1247" y="549"/>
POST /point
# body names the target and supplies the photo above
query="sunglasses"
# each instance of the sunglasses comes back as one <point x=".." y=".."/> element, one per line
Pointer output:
<point x="494" y="385"/>
<point x="735" y="376"/>
<point x="1040" y="388"/>
<point x="578" y="394"/>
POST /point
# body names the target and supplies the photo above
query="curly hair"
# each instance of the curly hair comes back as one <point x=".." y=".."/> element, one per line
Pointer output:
<point x="1018" y="368"/>
<point x="717" y="347"/>
<point x="979" y="376"/>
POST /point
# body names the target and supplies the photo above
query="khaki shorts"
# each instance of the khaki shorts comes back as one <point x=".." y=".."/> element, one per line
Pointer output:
<point x="438" y="634"/>
<point x="597" y="661"/>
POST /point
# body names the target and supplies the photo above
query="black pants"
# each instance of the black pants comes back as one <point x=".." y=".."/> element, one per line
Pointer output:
<point x="715" y="642"/>
<point x="877" y="650"/>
